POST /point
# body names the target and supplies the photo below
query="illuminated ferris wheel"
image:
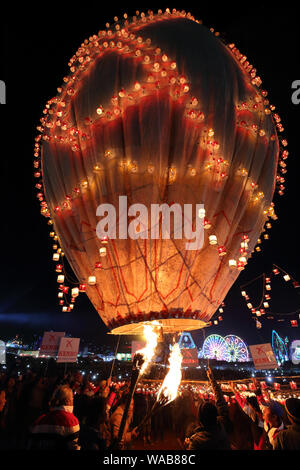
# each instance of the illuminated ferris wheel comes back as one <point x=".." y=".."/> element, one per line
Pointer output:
<point x="237" y="349"/>
<point x="215" y="347"/>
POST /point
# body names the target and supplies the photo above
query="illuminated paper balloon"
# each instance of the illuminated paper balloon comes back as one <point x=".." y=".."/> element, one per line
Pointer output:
<point x="160" y="111"/>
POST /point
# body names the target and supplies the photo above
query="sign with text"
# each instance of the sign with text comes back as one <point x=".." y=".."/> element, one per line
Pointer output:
<point x="50" y="343"/>
<point x="2" y="353"/>
<point x="68" y="350"/>
<point x="189" y="357"/>
<point x="263" y="356"/>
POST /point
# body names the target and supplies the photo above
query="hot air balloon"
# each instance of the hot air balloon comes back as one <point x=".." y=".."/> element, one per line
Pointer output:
<point x="157" y="109"/>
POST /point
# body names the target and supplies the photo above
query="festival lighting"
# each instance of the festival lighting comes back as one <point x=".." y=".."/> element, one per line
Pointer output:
<point x="215" y="347"/>
<point x="238" y="351"/>
<point x="279" y="348"/>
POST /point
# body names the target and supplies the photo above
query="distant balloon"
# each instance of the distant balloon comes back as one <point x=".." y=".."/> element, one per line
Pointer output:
<point x="160" y="110"/>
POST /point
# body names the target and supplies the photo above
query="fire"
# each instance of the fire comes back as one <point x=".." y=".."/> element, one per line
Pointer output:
<point x="151" y="342"/>
<point x="169" y="388"/>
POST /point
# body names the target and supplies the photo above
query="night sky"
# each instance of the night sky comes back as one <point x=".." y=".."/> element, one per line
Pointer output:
<point x="36" y="52"/>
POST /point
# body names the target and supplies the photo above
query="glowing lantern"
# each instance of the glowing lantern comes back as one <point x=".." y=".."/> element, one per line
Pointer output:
<point x="222" y="250"/>
<point x="207" y="224"/>
<point x="75" y="292"/>
<point x="213" y="240"/>
<point x="55" y="256"/>
<point x="286" y="277"/>
<point x="163" y="78"/>
<point x="60" y="278"/>
<point x="92" y="280"/>
<point x="102" y="251"/>
<point x="232" y="263"/>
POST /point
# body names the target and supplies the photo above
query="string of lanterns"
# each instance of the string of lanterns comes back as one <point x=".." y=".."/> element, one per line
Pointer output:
<point x="263" y="306"/>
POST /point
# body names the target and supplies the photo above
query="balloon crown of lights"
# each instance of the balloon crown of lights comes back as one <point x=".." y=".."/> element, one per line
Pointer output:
<point x="57" y="129"/>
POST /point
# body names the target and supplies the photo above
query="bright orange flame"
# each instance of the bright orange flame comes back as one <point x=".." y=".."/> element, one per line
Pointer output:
<point x="151" y="342"/>
<point x="169" y="388"/>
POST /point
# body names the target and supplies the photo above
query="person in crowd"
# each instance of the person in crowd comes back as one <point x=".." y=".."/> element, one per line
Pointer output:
<point x="289" y="439"/>
<point x="37" y="403"/>
<point x="268" y="419"/>
<point x="214" y="423"/>
<point x="184" y="414"/>
<point x="10" y="411"/>
<point x="250" y="407"/>
<point x="115" y="424"/>
<point x="94" y="434"/>
<point x="102" y="389"/>
<point x="2" y="421"/>
<point x="241" y="436"/>
<point x="59" y="428"/>
<point x="2" y="400"/>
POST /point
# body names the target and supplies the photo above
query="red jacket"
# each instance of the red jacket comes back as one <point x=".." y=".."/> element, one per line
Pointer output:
<point x="57" y="429"/>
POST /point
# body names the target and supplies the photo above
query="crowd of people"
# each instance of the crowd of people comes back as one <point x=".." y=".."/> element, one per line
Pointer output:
<point x="69" y="411"/>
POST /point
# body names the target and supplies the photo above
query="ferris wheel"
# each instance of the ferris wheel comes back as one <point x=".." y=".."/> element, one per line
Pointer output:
<point x="237" y="349"/>
<point x="215" y="347"/>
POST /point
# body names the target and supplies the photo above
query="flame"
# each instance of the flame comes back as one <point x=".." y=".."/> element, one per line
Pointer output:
<point x="169" y="388"/>
<point x="151" y="342"/>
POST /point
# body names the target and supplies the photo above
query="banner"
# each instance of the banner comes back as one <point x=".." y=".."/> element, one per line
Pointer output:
<point x="189" y="357"/>
<point x="263" y="356"/>
<point x="50" y="343"/>
<point x="68" y="350"/>
<point x="2" y="353"/>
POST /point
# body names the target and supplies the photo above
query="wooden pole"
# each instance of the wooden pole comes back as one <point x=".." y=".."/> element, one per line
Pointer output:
<point x="114" y="360"/>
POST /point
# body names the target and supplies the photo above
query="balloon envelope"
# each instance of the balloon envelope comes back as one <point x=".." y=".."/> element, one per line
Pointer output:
<point x="161" y="111"/>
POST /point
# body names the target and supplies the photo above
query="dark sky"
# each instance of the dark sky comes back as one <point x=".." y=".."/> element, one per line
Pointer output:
<point x="36" y="51"/>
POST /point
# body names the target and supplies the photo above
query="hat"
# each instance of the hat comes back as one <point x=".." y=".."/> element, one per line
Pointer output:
<point x="292" y="406"/>
<point x="275" y="408"/>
